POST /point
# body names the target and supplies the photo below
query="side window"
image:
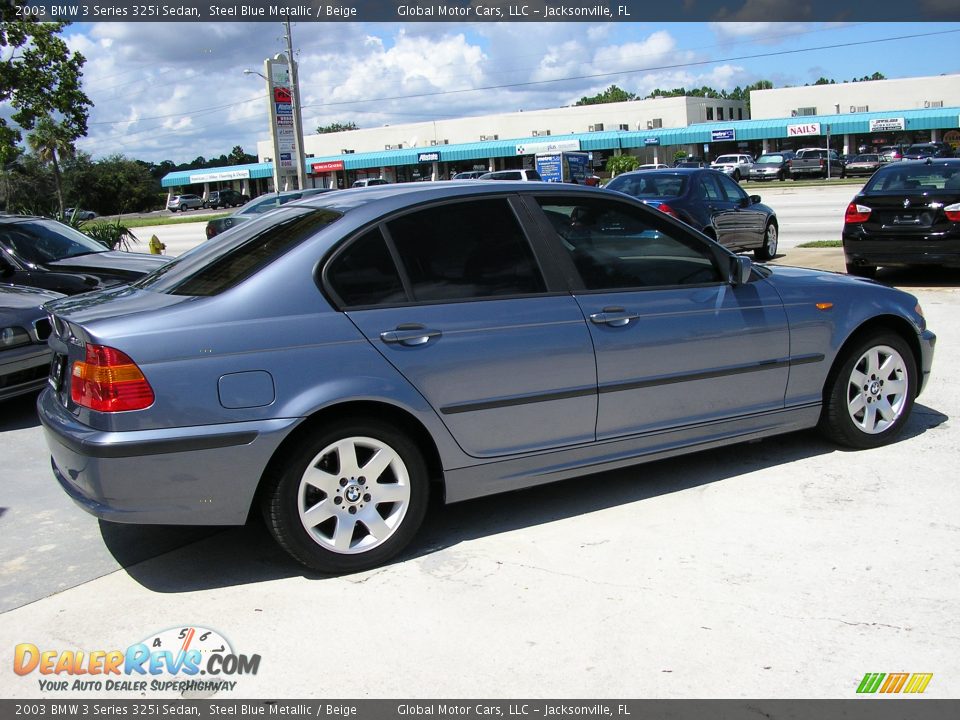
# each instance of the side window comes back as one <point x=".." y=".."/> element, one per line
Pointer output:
<point x="464" y="250"/>
<point x="733" y="191"/>
<point x="618" y="246"/>
<point x="709" y="188"/>
<point x="365" y="274"/>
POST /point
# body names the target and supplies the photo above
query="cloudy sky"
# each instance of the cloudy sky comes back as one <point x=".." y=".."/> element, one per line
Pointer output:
<point x="177" y="91"/>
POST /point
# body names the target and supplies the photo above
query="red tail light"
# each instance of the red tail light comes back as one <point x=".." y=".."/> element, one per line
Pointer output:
<point x="109" y="381"/>
<point x="856" y="213"/>
<point x="664" y="208"/>
<point x="953" y="212"/>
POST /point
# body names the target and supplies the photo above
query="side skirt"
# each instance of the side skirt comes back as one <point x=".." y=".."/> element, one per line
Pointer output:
<point x="541" y="468"/>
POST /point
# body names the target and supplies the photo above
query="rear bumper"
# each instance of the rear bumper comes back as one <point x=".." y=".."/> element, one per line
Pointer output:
<point x="862" y="249"/>
<point x="202" y="475"/>
<point x="23" y="370"/>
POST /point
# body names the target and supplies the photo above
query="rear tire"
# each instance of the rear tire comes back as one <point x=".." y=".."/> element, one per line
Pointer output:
<point x="870" y="396"/>
<point x="349" y="497"/>
<point x="864" y="271"/>
<point x="768" y="250"/>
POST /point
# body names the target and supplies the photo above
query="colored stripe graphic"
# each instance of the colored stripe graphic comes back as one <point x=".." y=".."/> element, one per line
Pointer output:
<point x="894" y="683"/>
<point x="918" y="682"/>
<point x="870" y="682"/>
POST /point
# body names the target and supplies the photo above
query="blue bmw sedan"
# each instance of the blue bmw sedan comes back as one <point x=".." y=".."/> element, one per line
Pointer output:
<point x="328" y="362"/>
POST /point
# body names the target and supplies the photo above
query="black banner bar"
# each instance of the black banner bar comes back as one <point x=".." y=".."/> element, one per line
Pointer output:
<point x="482" y="11"/>
<point x="866" y="708"/>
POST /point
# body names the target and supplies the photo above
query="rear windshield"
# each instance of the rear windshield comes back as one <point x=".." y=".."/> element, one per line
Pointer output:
<point x="914" y="177"/>
<point x="227" y="260"/>
<point x="770" y="159"/>
<point x="650" y="184"/>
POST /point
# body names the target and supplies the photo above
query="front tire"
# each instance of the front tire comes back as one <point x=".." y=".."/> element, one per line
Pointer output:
<point x="768" y="250"/>
<point x="350" y="497"/>
<point x="871" y="394"/>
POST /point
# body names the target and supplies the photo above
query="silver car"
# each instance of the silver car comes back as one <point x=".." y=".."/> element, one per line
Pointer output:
<point x="24" y="329"/>
<point x="736" y="166"/>
<point x="334" y="359"/>
<point x="184" y="203"/>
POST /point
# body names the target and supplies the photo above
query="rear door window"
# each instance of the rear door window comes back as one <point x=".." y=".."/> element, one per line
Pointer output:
<point x="464" y="250"/>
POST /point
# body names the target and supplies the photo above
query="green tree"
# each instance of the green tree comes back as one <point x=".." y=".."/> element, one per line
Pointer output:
<point x="39" y="78"/>
<point x="120" y="185"/>
<point x="239" y="157"/>
<point x="617" y="164"/>
<point x="52" y="141"/>
<point x="336" y="127"/>
<point x="611" y="95"/>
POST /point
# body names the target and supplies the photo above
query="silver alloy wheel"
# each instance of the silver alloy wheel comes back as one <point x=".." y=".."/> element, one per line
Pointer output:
<point x="771" y="240"/>
<point x="354" y="495"/>
<point x="877" y="389"/>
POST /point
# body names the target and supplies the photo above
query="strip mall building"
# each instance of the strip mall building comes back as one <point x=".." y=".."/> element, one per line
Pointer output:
<point x="848" y="116"/>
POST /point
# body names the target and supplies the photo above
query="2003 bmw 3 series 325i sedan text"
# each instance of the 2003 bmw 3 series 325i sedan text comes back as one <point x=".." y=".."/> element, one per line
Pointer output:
<point x="331" y="359"/>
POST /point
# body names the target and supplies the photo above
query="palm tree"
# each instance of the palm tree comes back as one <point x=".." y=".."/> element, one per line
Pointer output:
<point x="51" y="142"/>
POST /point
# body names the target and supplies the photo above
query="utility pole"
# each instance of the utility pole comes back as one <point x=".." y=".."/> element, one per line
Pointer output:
<point x="297" y="121"/>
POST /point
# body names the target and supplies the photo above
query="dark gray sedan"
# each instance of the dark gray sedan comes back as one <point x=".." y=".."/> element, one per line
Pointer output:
<point x="332" y="360"/>
<point x="709" y="201"/>
<point x="24" y="329"/>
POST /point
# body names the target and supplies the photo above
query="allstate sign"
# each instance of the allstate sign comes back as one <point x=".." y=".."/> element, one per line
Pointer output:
<point x="804" y="129"/>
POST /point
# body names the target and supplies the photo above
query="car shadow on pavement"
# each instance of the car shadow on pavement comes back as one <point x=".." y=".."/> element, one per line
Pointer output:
<point x="19" y="413"/>
<point x="248" y="554"/>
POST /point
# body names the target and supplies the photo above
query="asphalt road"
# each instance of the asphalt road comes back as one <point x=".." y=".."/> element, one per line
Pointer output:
<point x="785" y="568"/>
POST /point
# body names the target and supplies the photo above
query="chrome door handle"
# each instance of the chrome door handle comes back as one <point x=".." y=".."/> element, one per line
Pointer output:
<point x="613" y="316"/>
<point x="409" y="335"/>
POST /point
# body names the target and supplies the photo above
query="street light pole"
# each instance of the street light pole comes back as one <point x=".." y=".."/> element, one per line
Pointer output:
<point x="297" y="121"/>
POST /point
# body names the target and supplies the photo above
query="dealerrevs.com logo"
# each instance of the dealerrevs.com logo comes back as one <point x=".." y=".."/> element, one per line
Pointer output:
<point x="892" y="683"/>
<point x="183" y="659"/>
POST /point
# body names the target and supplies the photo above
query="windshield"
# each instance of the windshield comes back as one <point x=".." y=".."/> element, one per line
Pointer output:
<point x="770" y="159"/>
<point x="867" y="158"/>
<point x="226" y="260"/>
<point x="916" y="177"/>
<point x="726" y="159"/>
<point x="41" y="241"/>
<point x="921" y="150"/>
<point x="650" y="184"/>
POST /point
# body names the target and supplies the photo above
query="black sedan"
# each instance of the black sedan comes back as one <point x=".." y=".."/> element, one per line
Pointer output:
<point x="709" y="201"/>
<point x="44" y="253"/>
<point x="908" y="213"/>
<point x="24" y="329"/>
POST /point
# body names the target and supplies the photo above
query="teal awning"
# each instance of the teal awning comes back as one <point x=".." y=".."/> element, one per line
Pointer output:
<point x="745" y="130"/>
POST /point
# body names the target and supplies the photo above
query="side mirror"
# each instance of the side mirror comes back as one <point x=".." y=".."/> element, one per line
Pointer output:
<point x="740" y="267"/>
<point x="754" y="199"/>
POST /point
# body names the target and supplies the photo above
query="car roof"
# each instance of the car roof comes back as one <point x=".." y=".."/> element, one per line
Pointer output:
<point x="671" y="171"/>
<point x="403" y="195"/>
